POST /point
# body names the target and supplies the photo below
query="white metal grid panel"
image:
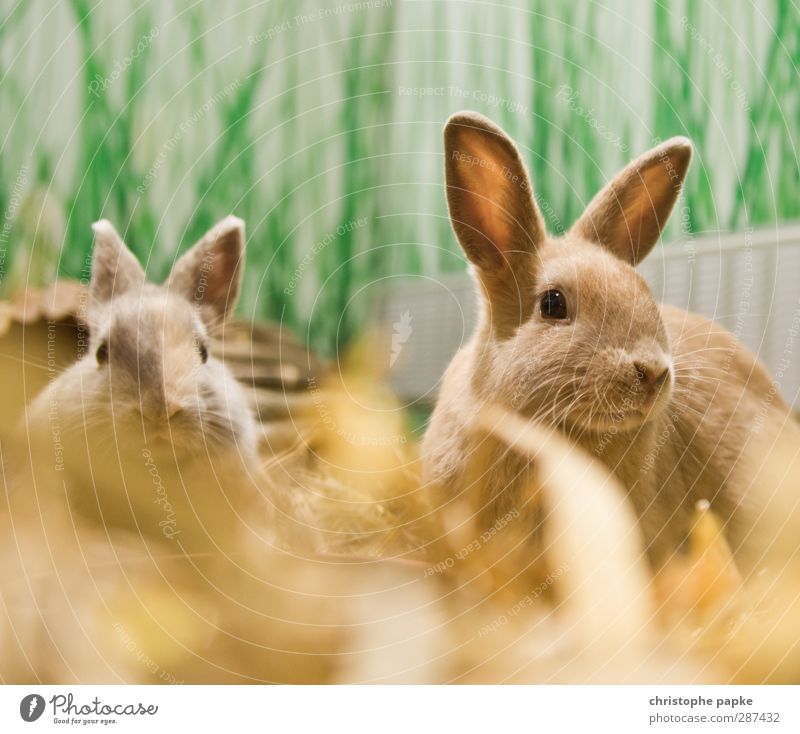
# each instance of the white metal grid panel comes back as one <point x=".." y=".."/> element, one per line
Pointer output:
<point x="748" y="282"/>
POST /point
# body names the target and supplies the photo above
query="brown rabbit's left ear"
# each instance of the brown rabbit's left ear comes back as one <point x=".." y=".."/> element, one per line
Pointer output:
<point x="493" y="213"/>
<point x="489" y="194"/>
<point x="209" y="275"/>
<point x="630" y="212"/>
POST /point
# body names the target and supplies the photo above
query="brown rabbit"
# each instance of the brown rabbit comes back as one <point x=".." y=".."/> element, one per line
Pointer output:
<point x="571" y="335"/>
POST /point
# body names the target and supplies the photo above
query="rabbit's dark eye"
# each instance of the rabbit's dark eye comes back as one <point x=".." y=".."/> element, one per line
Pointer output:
<point x="203" y="349"/>
<point x="554" y="305"/>
<point x="102" y="353"/>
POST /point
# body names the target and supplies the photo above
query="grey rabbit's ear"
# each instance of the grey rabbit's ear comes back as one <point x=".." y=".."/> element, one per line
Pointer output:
<point x="629" y="213"/>
<point x="115" y="270"/>
<point x="209" y="275"/>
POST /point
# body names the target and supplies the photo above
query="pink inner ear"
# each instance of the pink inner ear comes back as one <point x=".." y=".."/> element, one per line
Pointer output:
<point x="628" y="215"/>
<point x="219" y="278"/>
<point x="641" y="217"/>
<point x="493" y="220"/>
<point x="658" y="188"/>
<point x="487" y="174"/>
<point x="216" y="273"/>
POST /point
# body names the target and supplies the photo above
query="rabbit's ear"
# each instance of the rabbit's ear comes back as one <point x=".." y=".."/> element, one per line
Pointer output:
<point x="489" y="194"/>
<point x="115" y="270"/>
<point x="629" y="213"/>
<point x="209" y="275"/>
<point x="493" y="213"/>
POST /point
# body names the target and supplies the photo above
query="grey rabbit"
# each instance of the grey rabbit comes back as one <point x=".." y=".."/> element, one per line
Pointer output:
<point x="154" y="433"/>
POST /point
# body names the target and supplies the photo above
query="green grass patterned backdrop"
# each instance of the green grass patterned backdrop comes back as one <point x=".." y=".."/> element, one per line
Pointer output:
<point x="319" y="123"/>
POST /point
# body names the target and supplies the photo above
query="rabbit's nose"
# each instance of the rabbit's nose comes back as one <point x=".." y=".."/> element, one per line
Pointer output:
<point x="173" y="408"/>
<point x="160" y="412"/>
<point x="651" y="375"/>
<point x="161" y="406"/>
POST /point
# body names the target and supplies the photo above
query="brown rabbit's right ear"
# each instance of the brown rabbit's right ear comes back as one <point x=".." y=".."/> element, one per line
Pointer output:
<point x="115" y="270"/>
<point x="491" y="203"/>
<point x="629" y="213"/>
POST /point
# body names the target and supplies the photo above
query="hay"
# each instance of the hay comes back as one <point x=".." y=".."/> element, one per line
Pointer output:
<point x="350" y="570"/>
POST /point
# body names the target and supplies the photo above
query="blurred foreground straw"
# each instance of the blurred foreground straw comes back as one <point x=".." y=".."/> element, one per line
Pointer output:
<point x="408" y="585"/>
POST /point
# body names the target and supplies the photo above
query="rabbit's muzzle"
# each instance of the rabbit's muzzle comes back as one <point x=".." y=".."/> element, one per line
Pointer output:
<point x="643" y="379"/>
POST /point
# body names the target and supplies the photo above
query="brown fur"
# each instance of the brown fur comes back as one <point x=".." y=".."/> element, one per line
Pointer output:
<point x="671" y="440"/>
